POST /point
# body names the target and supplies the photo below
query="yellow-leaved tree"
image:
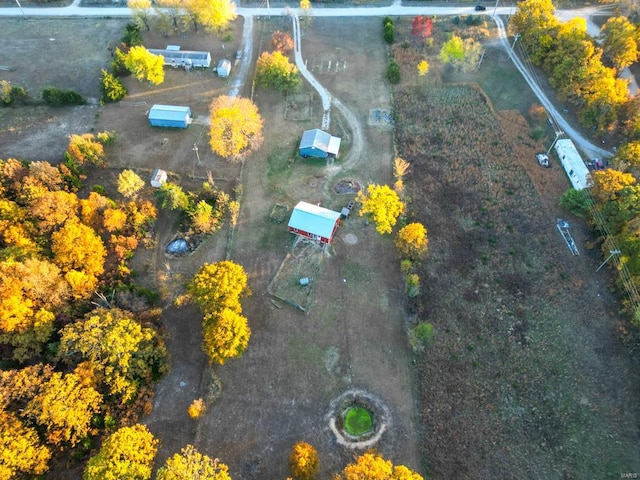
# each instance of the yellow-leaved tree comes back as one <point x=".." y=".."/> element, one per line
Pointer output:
<point x="145" y="66"/>
<point x="607" y="183"/>
<point x="412" y="241"/>
<point x="274" y="70"/>
<point x="303" y="461"/>
<point x="236" y="127"/>
<point x="372" y="466"/>
<point x="21" y="452"/>
<point x="64" y="407"/>
<point x="52" y="209"/>
<point x="129" y="183"/>
<point x="219" y="285"/>
<point x="190" y="464"/>
<point x="423" y="68"/>
<point x="213" y="15"/>
<point x="29" y="293"/>
<point x="127" y="355"/>
<point x="79" y="252"/>
<point x="217" y="288"/>
<point x="128" y="453"/>
<point x="226" y="335"/>
<point x="382" y="204"/>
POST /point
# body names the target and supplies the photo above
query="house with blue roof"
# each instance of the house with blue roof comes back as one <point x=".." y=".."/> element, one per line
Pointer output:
<point x="314" y="222"/>
<point x="318" y="144"/>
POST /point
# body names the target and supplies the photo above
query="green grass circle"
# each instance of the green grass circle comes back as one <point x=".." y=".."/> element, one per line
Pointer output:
<point x="357" y="420"/>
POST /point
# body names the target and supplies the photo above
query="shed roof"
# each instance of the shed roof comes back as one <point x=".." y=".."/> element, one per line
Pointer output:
<point x="169" y="112"/>
<point x="321" y="140"/>
<point x="313" y="219"/>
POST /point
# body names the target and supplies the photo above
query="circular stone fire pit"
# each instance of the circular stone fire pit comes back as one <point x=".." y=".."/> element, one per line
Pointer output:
<point x="346" y="186"/>
<point x="358" y="419"/>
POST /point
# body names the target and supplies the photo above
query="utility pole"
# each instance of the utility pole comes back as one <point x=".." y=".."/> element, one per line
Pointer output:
<point x="515" y="40"/>
<point x="558" y="133"/>
<point x="611" y="254"/>
<point x="20" y="7"/>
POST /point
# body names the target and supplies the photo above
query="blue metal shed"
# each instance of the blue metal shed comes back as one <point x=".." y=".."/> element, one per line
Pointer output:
<point x="170" y="116"/>
<point x="319" y="144"/>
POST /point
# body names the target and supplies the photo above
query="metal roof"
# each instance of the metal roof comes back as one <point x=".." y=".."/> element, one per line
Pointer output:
<point x="313" y="219"/>
<point x="177" y="57"/>
<point x="320" y="140"/>
<point x="169" y="112"/>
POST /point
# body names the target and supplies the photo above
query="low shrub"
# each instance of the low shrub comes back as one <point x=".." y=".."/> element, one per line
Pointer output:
<point x="54" y="97"/>
<point x="393" y="72"/>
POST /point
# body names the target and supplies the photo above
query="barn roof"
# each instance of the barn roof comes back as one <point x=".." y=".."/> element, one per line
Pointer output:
<point x="169" y="112"/>
<point x="321" y="140"/>
<point x="313" y="219"/>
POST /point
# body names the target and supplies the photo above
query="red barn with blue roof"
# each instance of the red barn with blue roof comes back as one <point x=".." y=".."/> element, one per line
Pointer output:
<point x="314" y="222"/>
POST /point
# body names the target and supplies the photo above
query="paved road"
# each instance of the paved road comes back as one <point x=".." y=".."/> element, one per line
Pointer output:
<point x="396" y="9"/>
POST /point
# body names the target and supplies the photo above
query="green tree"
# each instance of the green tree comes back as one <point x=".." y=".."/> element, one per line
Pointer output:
<point x="190" y="464"/>
<point x="111" y="88"/>
<point x="141" y="10"/>
<point x="226" y="335"/>
<point x="393" y="72"/>
<point x="382" y="204"/>
<point x="172" y="197"/>
<point x="129" y="183"/>
<point x="120" y="350"/>
<point x="219" y="286"/>
<point x="64" y="408"/>
<point x="273" y="70"/>
<point x="620" y="42"/>
<point x="303" y="461"/>
<point x="236" y="127"/>
<point x="461" y="54"/>
<point x="145" y="66"/>
<point x="21" y="450"/>
<point x="127" y="454"/>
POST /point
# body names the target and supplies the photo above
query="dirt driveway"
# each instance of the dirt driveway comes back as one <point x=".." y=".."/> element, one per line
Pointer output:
<point x="280" y="391"/>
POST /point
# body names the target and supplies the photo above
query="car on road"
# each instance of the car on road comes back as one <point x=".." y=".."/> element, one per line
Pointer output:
<point x="480" y="8"/>
<point x="238" y="54"/>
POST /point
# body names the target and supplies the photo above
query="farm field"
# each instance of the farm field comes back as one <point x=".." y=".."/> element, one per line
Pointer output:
<point x="518" y="382"/>
<point x="518" y="379"/>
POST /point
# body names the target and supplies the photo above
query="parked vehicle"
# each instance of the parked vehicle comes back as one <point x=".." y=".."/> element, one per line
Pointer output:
<point x="543" y="159"/>
<point x="480" y="8"/>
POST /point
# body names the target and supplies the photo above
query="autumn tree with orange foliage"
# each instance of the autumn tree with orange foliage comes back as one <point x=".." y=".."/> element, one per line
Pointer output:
<point x="282" y="42"/>
<point x="236" y="127"/>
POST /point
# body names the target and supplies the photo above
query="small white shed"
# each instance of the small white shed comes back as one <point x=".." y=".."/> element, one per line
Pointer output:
<point x="224" y="68"/>
<point x="158" y="178"/>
